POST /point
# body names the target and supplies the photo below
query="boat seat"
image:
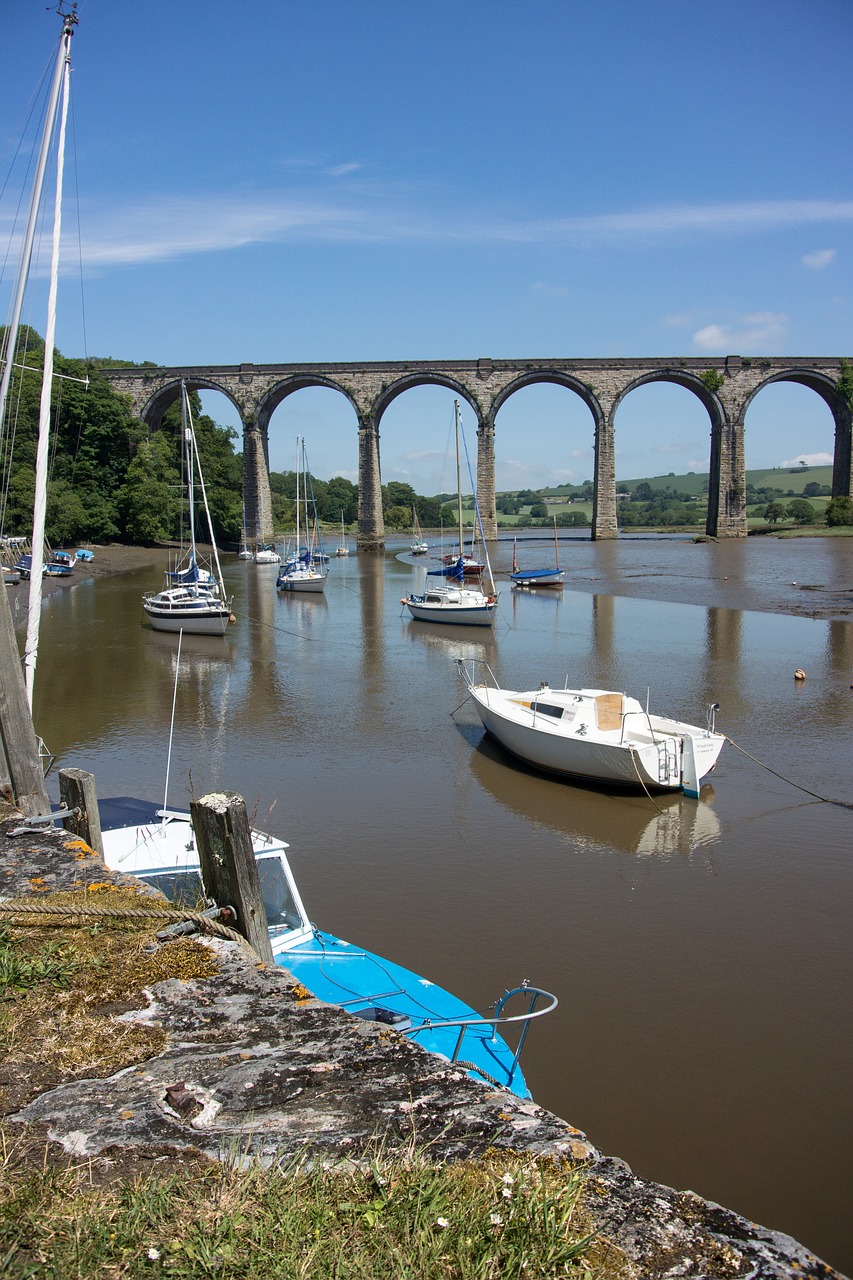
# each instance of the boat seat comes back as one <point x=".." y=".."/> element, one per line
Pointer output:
<point x="608" y="711"/>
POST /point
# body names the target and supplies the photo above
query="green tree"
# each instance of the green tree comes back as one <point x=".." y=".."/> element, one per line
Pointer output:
<point x="839" y="512"/>
<point x="149" y="498"/>
<point x="801" y="512"/>
<point x="538" y="511"/>
<point x="774" y="512"/>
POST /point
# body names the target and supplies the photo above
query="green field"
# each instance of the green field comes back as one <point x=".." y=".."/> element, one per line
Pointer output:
<point x="696" y="482"/>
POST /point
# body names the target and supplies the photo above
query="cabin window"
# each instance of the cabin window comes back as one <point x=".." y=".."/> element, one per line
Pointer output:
<point x="279" y="904"/>
<point x="184" y="888"/>
<point x="546" y="709"/>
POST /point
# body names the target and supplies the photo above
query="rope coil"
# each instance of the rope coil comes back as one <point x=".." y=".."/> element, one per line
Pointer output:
<point x="205" y="923"/>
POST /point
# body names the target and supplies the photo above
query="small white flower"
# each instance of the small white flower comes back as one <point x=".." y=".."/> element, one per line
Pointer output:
<point x="508" y="1179"/>
<point x="153" y="1254"/>
<point x="507" y="1193"/>
<point x="442" y="1222"/>
<point x="496" y="1220"/>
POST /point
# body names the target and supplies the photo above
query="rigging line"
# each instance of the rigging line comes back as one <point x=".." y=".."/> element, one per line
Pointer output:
<point x="842" y="804"/>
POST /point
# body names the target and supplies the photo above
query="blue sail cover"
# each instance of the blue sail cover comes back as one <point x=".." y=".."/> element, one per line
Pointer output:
<point x="456" y="571"/>
<point x="183" y="576"/>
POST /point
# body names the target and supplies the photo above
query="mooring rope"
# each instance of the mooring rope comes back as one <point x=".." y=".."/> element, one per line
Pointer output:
<point x="205" y="923"/>
<point x="842" y="804"/>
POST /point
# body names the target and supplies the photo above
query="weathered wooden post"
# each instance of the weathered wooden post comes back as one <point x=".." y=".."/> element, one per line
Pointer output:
<point x="228" y="867"/>
<point x="21" y="777"/>
<point x="77" y="791"/>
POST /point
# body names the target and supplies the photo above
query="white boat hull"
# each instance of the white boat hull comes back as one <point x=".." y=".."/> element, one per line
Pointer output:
<point x="179" y="609"/>
<point x="598" y="735"/>
<point x="453" y="605"/>
<point x="305" y="582"/>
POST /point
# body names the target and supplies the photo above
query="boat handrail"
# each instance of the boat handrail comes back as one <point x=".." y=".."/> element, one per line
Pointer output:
<point x="468" y="676"/>
<point x="464" y="1024"/>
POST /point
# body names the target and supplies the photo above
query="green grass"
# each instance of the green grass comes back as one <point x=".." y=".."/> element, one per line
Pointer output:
<point x="403" y="1218"/>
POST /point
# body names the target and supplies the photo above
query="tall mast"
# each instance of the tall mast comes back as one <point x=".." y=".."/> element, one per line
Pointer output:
<point x="188" y="450"/>
<point x="62" y="76"/>
<point x="458" y="477"/>
<point x="63" y="59"/>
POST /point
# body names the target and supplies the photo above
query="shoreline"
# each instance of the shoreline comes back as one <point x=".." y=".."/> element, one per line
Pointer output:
<point x="826" y="602"/>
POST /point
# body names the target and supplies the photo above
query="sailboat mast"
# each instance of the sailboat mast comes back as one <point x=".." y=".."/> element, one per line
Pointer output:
<point x="297" y="496"/>
<point x="60" y="74"/>
<point x="458" y="477"/>
<point x="187" y="434"/>
<point x="63" y="74"/>
<point x="556" y="548"/>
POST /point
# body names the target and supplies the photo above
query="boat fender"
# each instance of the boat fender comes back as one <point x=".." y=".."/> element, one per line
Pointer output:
<point x="491" y="599"/>
<point x="233" y="617"/>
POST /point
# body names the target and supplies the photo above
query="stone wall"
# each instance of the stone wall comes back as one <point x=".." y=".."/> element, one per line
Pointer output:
<point x="253" y="1063"/>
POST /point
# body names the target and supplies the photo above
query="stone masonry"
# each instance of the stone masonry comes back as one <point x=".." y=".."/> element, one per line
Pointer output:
<point x="724" y="385"/>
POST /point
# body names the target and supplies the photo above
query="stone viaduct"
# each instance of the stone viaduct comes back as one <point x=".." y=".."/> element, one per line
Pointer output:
<point x="725" y="386"/>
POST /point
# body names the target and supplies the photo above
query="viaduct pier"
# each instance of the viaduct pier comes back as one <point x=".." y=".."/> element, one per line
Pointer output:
<point x="726" y="386"/>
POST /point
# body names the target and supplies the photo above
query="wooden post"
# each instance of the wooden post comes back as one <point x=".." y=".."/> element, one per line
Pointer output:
<point x="21" y="777"/>
<point x="77" y="791"/>
<point x="228" y="867"/>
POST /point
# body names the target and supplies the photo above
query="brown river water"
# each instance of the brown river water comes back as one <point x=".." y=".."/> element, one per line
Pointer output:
<point x="700" y="950"/>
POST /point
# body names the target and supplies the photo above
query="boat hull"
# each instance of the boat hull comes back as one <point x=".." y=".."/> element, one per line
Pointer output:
<point x="462" y="607"/>
<point x="666" y="755"/>
<point x="538" y="578"/>
<point x="182" y="610"/>
<point x="159" y="847"/>
<point x="304" y="582"/>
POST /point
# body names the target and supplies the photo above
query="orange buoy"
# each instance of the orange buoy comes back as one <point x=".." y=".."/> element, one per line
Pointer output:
<point x="799" y="674"/>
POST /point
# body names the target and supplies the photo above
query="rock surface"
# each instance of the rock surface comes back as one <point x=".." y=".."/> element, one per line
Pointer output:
<point x="255" y="1069"/>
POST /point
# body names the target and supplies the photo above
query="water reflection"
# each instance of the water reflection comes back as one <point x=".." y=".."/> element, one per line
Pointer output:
<point x="667" y="826"/>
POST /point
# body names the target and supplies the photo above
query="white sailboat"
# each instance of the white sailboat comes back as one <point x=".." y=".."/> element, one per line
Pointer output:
<point x="342" y="549"/>
<point x="455" y="604"/>
<point x="307" y="569"/>
<point x="195" y="604"/>
<point x="245" y="553"/>
<point x="596" y="735"/>
<point x="419" y="546"/>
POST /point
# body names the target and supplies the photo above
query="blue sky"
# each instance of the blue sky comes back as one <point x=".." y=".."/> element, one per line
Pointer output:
<point x="281" y="182"/>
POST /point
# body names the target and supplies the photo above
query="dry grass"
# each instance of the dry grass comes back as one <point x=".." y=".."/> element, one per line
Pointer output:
<point x="62" y="983"/>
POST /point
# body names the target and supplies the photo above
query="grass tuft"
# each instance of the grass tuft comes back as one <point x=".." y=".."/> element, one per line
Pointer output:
<point x="510" y="1215"/>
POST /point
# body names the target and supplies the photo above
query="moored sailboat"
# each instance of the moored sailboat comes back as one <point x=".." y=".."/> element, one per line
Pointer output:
<point x="538" y="577"/>
<point x="193" y="604"/>
<point x="455" y="604"/>
<point x="595" y="735"/>
<point x="419" y="546"/>
<point x="306" y="570"/>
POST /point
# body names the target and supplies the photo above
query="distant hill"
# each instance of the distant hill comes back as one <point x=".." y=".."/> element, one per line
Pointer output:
<point x="696" y="482"/>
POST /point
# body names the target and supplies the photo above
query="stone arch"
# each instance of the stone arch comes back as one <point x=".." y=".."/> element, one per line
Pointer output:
<point x="828" y="390"/>
<point x="279" y="392"/>
<point x="154" y="408"/>
<point x="272" y="397"/>
<point x="424" y="378"/>
<point x="556" y="378"/>
<point x="726" y="514"/>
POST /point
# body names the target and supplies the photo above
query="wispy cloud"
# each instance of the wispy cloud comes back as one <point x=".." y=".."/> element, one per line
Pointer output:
<point x="341" y="170"/>
<point x="549" y="290"/>
<point x="761" y="331"/>
<point x="819" y="259"/>
<point x="164" y="228"/>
